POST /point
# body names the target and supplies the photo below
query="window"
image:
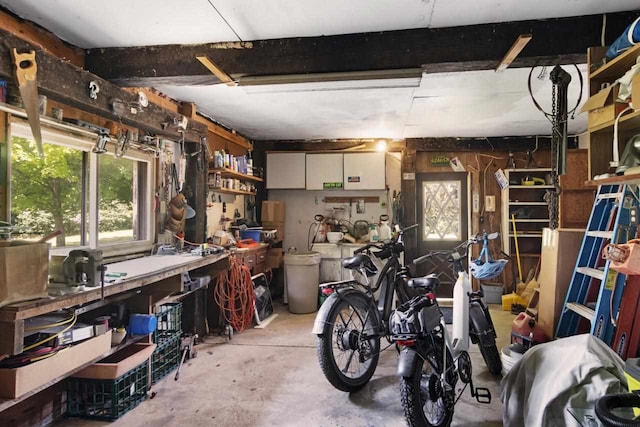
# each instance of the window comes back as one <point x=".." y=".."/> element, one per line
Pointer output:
<point x="95" y="200"/>
<point x="442" y="214"/>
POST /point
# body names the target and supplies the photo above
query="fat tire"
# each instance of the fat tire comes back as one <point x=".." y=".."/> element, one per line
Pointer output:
<point x="410" y="393"/>
<point x="486" y="343"/>
<point x="324" y="346"/>
<point x="490" y="354"/>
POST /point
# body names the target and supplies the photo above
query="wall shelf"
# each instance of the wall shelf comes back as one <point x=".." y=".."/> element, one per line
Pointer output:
<point x="231" y="191"/>
<point x="530" y="186"/>
<point x="230" y="173"/>
<point x="618" y="179"/>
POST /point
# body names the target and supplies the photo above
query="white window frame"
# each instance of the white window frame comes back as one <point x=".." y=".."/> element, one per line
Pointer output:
<point x="20" y="128"/>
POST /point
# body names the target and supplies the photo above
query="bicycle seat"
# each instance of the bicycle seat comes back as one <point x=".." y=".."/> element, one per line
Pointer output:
<point x="427" y="282"/>
<point x="359" y="260"/>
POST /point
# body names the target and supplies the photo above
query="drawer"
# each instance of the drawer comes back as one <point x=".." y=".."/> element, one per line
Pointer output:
<point x="249" y="260"/>
<point x="261" y="257"/>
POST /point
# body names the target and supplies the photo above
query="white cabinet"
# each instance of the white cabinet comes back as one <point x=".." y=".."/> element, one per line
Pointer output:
<point x="322" y="169"/>
<point x="285" y="170"/>
<point x="364" y="171"/>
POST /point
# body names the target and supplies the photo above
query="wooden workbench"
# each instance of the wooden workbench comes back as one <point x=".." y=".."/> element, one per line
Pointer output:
<point x="158" y="275"/>
<point x="154" y="277"/>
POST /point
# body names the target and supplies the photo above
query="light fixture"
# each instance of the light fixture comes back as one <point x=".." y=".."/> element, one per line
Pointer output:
<point x="381" y="146"/>
<point x="514" y="51"/>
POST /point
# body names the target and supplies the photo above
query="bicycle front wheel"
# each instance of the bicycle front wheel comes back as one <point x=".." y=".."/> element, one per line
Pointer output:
<point x="426" y="400"/>
<point x="349" y="346"/>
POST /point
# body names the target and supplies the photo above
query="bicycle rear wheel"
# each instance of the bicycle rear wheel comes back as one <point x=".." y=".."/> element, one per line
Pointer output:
<point x="349" y="346"/>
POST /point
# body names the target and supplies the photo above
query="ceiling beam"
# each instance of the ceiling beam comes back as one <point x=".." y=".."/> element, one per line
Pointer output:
<point x="474" y="47"/>
<point x="68" y="84"/>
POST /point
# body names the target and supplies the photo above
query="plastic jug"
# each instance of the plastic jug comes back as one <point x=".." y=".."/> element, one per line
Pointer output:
<point x="526" y="326"/>
<point x="384" y="231"/>
<point x="373" y="233"/>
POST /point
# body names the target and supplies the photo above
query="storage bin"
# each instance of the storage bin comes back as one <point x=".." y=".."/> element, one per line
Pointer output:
<point x="24" y="267"/>
<point x="165" y="359"/>
<point x="119" y="363"/>
<point x="512" y="298"/>
<point x="251" y="234"/>
<point x="492" y="293"/>
<point x="169" y="318"/>
<point x="107" y="399"/>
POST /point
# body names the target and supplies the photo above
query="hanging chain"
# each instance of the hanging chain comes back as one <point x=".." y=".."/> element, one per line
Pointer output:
<point x="551" y="196"/>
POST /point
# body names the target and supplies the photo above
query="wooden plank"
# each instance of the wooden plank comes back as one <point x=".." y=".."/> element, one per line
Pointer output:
<point x="514" y="51"/>
<point x="351" y="199"/>
<point x="42" y="39"/>
<point x="11" y="337"/>
<point x="64" y="82"/>
<point x="618" y="179"/>
<point x="188" y="109"/>
<point x="469" y="48"/>
<point x="617" y="66"/>
<point x="217" y="71"/>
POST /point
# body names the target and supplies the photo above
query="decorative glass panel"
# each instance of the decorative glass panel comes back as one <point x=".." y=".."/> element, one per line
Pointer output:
<point x="442" y="214"/>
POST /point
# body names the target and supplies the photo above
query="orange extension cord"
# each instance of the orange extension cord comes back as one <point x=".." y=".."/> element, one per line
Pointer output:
<point x="234" y="295"/>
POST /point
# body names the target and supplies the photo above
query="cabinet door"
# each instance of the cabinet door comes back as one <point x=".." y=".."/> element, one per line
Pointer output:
<point x="364" y="171"/>
<point x="323" y="168"/>
<point x="285" y="170"/>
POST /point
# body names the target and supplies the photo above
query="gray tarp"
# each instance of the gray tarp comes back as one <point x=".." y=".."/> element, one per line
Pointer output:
<point x="567" y="373"/>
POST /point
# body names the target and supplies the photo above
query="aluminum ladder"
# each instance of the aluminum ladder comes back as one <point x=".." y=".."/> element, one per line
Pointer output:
<point x="595" y="291"/>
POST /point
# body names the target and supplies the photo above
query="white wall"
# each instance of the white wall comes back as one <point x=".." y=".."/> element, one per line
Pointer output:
<point x="214" y="212"/>
<point x="302" y="205"/>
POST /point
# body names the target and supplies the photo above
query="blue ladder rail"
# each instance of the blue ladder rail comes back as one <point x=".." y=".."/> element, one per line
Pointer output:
<point x="613" y="219"/>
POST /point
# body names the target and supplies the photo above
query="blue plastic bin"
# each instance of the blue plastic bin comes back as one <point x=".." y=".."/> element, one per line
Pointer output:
<point x="250" y="234"/>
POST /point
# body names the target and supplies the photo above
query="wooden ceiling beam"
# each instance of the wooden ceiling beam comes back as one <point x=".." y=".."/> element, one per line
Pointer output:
<point x="41" y="38"/>
<point x="68" y="84"/>
<point x="468" y="48"/>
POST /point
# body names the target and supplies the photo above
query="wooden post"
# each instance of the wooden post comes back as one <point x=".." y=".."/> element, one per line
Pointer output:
<point x="4" y="166"/>
<point x="408" y="188"/>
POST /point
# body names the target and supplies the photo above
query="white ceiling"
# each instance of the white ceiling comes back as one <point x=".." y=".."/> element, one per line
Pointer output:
<point x="461" y="104"/>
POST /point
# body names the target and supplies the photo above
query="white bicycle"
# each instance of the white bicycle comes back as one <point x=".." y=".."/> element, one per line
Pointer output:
<point x="431" y="361"/>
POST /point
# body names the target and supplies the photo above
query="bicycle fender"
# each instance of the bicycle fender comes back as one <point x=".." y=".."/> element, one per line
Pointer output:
<point x="325" y="308"/>
<point x="406" y="362"/>
<point x="479" y="324"/>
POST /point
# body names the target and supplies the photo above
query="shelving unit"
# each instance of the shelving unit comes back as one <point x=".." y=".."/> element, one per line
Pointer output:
<point x="601" y="136"/>
<point x="531" y="210"/>
<point x="230" y="173"/>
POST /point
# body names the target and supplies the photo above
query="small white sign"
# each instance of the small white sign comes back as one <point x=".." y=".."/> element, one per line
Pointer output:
<point x="409" y="176"/>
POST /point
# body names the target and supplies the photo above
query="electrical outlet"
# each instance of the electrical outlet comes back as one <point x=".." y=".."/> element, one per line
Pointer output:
<point x="490" y="203"/>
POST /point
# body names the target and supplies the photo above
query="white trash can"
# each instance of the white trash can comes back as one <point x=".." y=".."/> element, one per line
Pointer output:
<point x="302" y="277"/>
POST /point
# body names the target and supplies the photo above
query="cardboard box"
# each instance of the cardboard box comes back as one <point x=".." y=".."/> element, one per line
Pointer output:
<point x="18" y="381"/>
<point x="274" y="258"/>
<point x="272" y="211"/>
<point x="602" y="106"/>
<point x="24" y="268"/>
<point x="635" y="92"/>
<point x="118" y="363"/>
<point x="279" y="226"/>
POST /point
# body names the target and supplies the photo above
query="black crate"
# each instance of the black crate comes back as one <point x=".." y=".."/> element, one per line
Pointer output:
<point x="169" y="318"/>
<point x="165" y="358"/>
<point x="107" y="399"/>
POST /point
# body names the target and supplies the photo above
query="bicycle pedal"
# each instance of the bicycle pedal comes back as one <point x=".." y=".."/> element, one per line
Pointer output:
<point x="483" y="395"/>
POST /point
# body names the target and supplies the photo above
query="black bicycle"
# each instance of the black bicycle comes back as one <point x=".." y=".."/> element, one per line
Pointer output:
<point x="352" y="320"/>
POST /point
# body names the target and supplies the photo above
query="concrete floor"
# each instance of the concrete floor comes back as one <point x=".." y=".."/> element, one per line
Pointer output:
<point x="271" y="377"/>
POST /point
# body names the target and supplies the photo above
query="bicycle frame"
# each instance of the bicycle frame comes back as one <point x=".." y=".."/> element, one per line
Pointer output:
<point x="459" y="340"/>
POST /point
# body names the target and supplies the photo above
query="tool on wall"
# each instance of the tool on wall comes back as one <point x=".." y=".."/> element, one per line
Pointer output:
<point x="26" y="74"/>
<point x="124" y="135"/>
